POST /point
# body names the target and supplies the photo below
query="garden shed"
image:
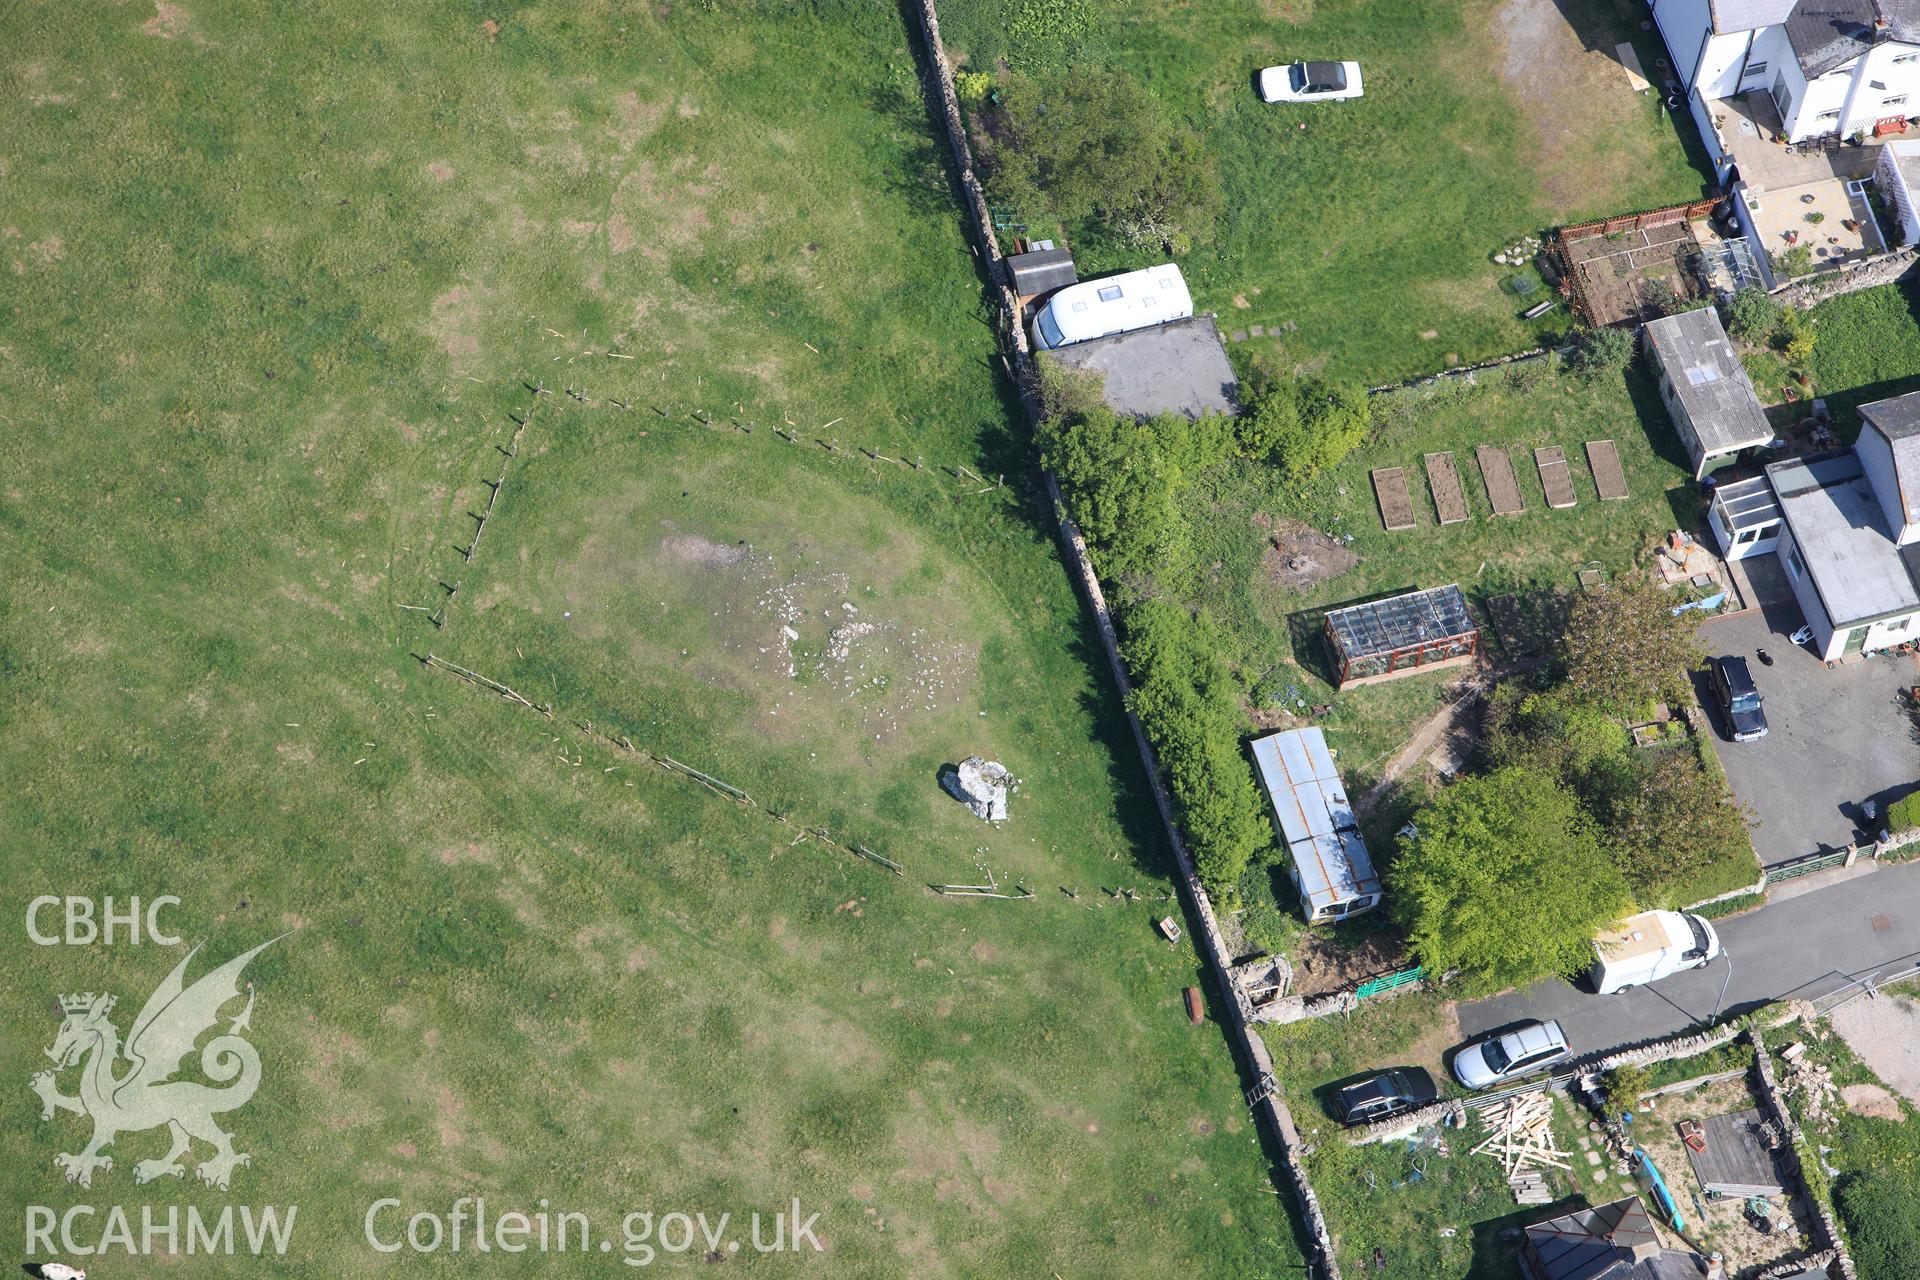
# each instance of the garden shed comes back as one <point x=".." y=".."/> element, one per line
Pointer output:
<point x="1401" y="635"/>
<point x="1705" y="388"/>
<point x="1331" y="868"/>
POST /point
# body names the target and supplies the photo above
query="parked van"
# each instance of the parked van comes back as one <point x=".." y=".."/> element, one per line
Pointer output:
<point x="1112" y="304"/>
<point x="1647" y="947"/>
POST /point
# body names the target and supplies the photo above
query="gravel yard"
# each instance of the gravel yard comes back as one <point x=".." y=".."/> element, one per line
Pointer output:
<point x="1885" y="1031"/>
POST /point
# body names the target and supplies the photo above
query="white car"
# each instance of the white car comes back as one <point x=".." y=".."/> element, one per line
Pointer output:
<point x="1310" y="82"/>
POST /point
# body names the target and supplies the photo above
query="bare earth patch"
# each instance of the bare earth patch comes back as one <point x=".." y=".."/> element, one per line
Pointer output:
<point x="441" y="171"/>
<point x="1321" y="965"/>
<point x="1885" y="1032"/>
<point x="1587" y="121"/>
<point x="456" y="313"/>
<point x="1298" y="556"/>
<point x="169" y="21"/>
<point x="1871" y="1100"/>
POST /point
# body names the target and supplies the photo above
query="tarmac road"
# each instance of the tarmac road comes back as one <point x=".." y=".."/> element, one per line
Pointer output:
<point x="1805" y="943"/>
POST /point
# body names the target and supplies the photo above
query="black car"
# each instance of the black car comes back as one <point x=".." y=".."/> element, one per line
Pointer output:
<point x="1383" y="1096"/>
<point x="1739" y="700"/>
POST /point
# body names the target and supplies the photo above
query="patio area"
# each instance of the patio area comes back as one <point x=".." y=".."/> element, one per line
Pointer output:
<point x="1798" y="195"/>
<point x="1829" y="216"/>
<point x="1747" y="125"/>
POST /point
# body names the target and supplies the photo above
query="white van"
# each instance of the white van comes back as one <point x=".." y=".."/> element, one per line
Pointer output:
<point x="1647" y="947"/>
<point x="1112" y="304"/>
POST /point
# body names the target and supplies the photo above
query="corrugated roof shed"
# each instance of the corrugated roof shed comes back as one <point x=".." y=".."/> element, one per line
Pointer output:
<point x="1316" y="818"/>
<point x="1041" y="271"/>
<point x="1709" y="381"/>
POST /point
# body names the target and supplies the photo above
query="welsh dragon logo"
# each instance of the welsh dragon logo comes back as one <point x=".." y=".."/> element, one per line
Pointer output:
<point x="144" y="1095"/>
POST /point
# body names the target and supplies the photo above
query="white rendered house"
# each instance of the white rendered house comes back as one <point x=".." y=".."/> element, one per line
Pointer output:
<point x="1831" y="67"/>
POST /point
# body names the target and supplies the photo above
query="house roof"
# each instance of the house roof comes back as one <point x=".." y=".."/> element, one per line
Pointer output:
<point x="1711" y="385"/>
<point x="1898" y="420"/>
<point x="1826" y="34"/>
<point x="1612" y="1242"/>
<point x="1749" y="15"/>
<point x="1590" y="1244"/>
<point x="1857" y="569"/>
<point x="1177" y="367"/>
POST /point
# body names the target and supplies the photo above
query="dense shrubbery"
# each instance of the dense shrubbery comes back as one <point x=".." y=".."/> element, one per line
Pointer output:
<point x="1098" y="151"/>
<point x="1662" y="817"/>
<point x="1751" y="315"/>
<point x="1126" y="481"/>
<point x="1882" y="1211"/>
<point x="1503" y="879"/>
<point x="1597" y="352"/>
<point x="1122" y="475"/>
<point x="1903" y="815"/>
<point x="1189" y="702"/>
<point x="1303" y="428"/>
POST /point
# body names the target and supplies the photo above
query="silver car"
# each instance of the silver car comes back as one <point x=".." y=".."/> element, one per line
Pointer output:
<point x="1528" y="1048"/>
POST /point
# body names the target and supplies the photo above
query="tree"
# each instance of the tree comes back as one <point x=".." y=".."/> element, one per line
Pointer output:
<point x="1752" y="316"/>
<point x="1663" y="817"/>
<point x="1882" y="1211"/>
<point x="1100" y="149"/>
<point x="1551" y="731"/>
<point x="1503" y="879"/>
<point x="1624" y="648"/>
<point x="1189" y="702"/>
<point x="1303" y="428"/>
<point x="1598" y="352"/>
<point x="1119" y="484"/>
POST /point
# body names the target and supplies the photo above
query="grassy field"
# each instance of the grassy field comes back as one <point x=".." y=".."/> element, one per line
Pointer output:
<point x="1867" y="348"/>
<point x="1361" y="236"/>
<point x="1878" y="1135"/>
<point x="277" y="277"/>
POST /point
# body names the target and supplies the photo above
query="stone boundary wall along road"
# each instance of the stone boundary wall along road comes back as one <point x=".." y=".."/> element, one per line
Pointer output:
<point x="1268" y="1107"/>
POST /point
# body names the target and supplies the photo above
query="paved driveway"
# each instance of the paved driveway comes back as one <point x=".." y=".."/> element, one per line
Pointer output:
<point x="1835" y="738"/>
<point x="1802" y="944"/>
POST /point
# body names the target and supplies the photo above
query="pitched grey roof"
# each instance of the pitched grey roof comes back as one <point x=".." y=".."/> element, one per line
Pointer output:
<point x="1708" y="378"/>
<point x="1898" y="420"/>
<point x="1831" y="33"/>
<point x="1590" y="1244"/>
<point x="1749" y="15"/>
<point x="1858" y="571"/>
